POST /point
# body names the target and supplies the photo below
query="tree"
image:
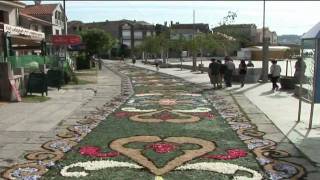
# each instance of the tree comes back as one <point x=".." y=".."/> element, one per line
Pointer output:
<point x="228" y="19"/>
<point x="178" y="45"/>
<point x="156" y="45"/>
<point x="97" y="41"/>
<point x="148" y="46"/>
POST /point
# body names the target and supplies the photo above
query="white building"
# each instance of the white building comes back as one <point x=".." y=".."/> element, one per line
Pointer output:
<point x="271" y="35"/>
<point x="52" y="13"/>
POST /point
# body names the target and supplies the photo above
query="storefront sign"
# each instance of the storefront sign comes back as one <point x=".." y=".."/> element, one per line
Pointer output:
<point x="14" y="30"/>
<point x="66" y="39"/>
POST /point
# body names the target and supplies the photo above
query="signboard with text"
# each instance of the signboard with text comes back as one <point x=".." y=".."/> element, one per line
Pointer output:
<point x="66" y="39"/>
<point x="15" y="30"/>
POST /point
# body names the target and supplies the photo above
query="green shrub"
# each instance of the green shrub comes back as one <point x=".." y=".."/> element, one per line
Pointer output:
<point x="82" y="62"/>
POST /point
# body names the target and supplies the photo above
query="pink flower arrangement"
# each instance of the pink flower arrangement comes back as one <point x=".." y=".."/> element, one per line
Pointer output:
<point x="162" y="147"/>
<point x="94" y="151"/>
<point x="231" y="154"/>
<point x="123" y="114"/>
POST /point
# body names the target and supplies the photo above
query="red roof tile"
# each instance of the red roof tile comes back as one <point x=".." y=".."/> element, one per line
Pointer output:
<point x="36" y="19"/>
<point x="42" y="9"/>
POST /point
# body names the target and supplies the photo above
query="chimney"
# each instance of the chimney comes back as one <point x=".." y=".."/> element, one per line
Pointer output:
<point x="37" y="2"/>
<point x="171" y="23"/>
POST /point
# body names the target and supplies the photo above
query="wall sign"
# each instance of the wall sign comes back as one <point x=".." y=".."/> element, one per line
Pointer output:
<point x="66" y="39"/>
<point x="15" y="30"/>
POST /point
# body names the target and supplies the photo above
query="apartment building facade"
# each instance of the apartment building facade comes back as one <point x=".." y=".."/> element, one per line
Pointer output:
<point x="270" y="35"/>
<point x="187" y="30"/>
<point x="127" y="32"/>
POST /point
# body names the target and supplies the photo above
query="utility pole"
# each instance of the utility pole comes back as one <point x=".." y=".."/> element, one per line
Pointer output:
<point x="264" y="48"/>
<point x="194" y="60"/>
<point x="65" y="33"/>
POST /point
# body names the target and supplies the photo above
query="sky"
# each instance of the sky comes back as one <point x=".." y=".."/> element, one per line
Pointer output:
<point x="284" y="17"/>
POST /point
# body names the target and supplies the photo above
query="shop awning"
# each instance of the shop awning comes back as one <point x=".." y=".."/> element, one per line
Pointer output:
<point x="19" y="31"/>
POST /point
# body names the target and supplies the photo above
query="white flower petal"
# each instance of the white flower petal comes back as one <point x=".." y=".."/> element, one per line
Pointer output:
<point x="224" y="168"/>
<point x="95" y="165"/>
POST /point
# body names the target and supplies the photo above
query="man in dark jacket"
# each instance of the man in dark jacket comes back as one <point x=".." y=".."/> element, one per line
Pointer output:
<point x="214" y="73"/>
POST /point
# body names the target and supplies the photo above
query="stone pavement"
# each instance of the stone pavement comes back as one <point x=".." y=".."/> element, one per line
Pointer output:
<point x="24" y="127"/>
<point x="273" y="113"/>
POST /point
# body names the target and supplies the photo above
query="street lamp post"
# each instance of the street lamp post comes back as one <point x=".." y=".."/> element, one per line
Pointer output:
<point x="264" y="48"/>
<point x="194" y="61"/>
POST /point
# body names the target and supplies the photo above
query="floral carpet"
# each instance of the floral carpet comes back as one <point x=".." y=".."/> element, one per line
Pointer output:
<point x="162" y="128"/>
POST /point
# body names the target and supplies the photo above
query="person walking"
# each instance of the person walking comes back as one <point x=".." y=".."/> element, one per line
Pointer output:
<point x="156" y="63"/>
<point x="133" y="60"/>
<point x="210" y="67"/>
<point x="230" y="68"/>
<point x="300" y="70"/>
<point x="214" y="73"/>
<point x="242" y="72"/>
<point x="250" y="64"/>
<point x="275" y="71"/>
<point x="221" y="72"/>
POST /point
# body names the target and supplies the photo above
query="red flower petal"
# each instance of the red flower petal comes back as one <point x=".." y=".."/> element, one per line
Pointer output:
<point x="231" y="154"/>
<point x="94" y="151"/>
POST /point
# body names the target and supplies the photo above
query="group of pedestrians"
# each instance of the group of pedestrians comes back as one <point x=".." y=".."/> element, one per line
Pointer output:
<point x="218" y="72"/>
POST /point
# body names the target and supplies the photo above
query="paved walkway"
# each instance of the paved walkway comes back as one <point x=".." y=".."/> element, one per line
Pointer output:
<point x="26" y="126"/>
<point x="273" y="113"/>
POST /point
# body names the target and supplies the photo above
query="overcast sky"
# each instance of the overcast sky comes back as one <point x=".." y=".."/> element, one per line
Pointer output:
<point x="284" y="17"/>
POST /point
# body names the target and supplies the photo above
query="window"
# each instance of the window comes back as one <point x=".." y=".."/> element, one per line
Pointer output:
<point x="138" y="34"/>
<point x="4" y="17"/>
<point x="57" y="32"/>
<point x="126" y="33"/>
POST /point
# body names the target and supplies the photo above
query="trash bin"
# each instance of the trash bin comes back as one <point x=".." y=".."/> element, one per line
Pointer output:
<point x="287" y="82"/>
<point x="55" y="78"/>
<point x="37" y="83"/>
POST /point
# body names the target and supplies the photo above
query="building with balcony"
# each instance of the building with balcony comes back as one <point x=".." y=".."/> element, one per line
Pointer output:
<point x="133" y="32"/>
<point x="49" y="19"/>
<point x="51" y="13"/>
<point x="127" y="32"/>
<point x="15" y="41"/>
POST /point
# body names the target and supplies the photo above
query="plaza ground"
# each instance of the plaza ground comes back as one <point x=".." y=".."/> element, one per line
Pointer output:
<point x="280" y="107"/>
<point x="24" y="127"/>
<point x="268" y="111"/>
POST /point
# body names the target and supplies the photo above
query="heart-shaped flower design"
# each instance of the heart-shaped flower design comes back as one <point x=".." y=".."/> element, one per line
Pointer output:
<point x="136" y="154"/>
